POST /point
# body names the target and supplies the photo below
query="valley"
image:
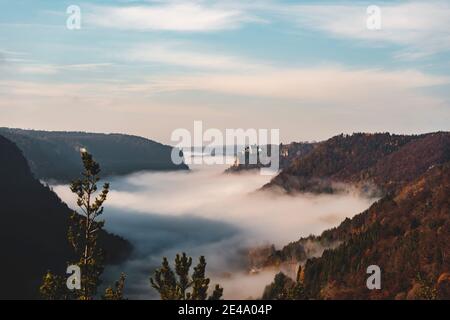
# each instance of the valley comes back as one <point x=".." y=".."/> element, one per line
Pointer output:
<point x="248" y="224"/>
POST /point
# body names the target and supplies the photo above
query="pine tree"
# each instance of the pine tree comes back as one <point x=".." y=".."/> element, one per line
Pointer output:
<point x="83" y="234"/>
<point x="199" y="282"/>
<point x="277" y="290"/>
<point x="174" y="285"/>
<point x="115" y="293"/>
<point x="84" y="230"/>
<point x="182" y="266"/>
<point x="54" y="287"/>
<point x="217" y="293"/>
<point x="297" y="292"/>
<point x="165" y="282"/>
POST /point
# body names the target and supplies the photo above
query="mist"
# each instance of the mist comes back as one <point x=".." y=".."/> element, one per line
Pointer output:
<point x="206" y="212"/>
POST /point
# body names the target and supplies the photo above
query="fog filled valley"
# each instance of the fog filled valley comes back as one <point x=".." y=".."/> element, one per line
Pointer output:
<point x="206" y="212"/>
<point x="231" y="152"/>
<point x="310" y="232"/>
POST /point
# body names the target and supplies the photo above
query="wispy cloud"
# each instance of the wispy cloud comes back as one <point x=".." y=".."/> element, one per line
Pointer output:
<point x="7" y="57"/>
<point x="182" y="54"/>
<point x="171" y="16"/>
<point x="306" y="103"/>
<point x="419" y="29"/>
<point x="333" y="85"/>
<point x="336" y="89"/>
<point x="50" y="69"/>
<point x="422" y="28"/>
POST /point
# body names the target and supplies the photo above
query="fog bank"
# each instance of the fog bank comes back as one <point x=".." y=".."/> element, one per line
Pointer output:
<point x="206" y="212"/>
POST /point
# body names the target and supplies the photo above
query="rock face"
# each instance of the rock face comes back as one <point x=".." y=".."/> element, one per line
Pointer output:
<point x="287" y="154"/>
<point x="33" y="229"/>
<point x="55" y="155"/>
<point x="384" y="161"/>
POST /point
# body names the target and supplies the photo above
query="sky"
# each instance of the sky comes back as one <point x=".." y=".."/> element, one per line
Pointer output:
<point x="309" y="68"/>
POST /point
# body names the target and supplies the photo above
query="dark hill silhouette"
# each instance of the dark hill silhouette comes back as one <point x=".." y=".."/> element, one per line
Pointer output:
<point x="33" y="229"/>
<point x="55" y="155"/>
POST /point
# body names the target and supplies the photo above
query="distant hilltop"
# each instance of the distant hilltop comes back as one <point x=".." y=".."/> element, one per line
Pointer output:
<point x="54" y="155"/>
<point x="381" y="160"/>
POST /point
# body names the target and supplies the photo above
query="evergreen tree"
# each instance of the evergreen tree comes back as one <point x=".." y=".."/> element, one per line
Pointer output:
<point x="175" y="285"/>
<point x="83" y="236"/>
<point x="199" y="282"/>
<point x="115" y="293"/>
<point x="278" y="289"/>
<point x="284" y="288"/>
<point x="217" y="293"/>
<point x="182" y="266"/>
<point x="297" y="292"/>
<point x="165" y="282"/>
<point x="83" y="231"/>
<point x="54" y="287"/>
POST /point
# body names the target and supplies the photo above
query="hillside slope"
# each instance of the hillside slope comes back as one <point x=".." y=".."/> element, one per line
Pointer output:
<point x="33" y="229"/>
<point x="407" y="234"/>
<point x="55" y="155"/>
<point x="384" y="161"/>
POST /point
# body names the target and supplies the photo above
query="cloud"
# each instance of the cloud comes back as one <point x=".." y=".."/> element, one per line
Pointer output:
<point x="422" y="29"/>
<point x="330" y="85"/>
<point x="16" y="62"/>
<point x="323" y="101"/>
<point x="176" y="54"/>
<point x="172" y="16"/>
<point x="208" y="194"/>
<point x="8" y="58"/>
<point x="36" y="68"/>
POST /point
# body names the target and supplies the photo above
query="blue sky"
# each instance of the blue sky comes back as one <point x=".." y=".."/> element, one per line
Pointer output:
<point x="310" y="68"/>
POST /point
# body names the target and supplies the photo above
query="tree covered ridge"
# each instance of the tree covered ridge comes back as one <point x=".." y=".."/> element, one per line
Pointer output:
<point x="55" y="155"/>
<point x="382" y="160"/>
<point x="406" y="233"/>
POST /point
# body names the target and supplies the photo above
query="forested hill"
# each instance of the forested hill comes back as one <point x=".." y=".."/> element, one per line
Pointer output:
<point x="55" y="155"/>
<point x="33" y="229"/>
<point x="382" y="160"/>
<point x="407" y="234"/>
